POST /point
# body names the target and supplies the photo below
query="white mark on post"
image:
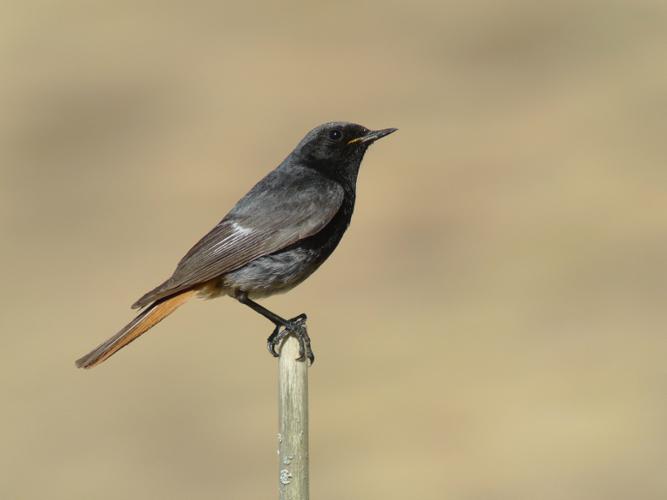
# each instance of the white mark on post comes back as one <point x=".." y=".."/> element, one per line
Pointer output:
<point x="285" y="477"/>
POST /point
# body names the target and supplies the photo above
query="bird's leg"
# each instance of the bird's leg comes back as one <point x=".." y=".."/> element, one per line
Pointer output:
<point x="296" y="326"/>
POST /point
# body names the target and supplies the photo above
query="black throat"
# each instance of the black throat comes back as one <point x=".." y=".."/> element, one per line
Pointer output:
<point x="327" y="239"/>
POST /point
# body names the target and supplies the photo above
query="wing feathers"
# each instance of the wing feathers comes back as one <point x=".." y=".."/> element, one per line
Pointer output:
<point x="283" y="208"/>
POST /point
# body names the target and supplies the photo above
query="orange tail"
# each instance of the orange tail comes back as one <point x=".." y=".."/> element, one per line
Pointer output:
<point x="138" y="326"/>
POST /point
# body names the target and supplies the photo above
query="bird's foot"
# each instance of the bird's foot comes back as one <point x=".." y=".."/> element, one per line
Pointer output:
<point x="297" y="327"/>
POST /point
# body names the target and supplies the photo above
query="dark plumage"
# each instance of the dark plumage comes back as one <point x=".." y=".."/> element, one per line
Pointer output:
<point x="275" y="237"/>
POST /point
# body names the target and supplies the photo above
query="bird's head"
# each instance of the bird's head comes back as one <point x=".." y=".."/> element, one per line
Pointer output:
<point x="337" y="145"/>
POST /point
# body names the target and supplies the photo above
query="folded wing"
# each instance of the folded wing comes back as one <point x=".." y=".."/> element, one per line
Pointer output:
<point x="283" y="208"/>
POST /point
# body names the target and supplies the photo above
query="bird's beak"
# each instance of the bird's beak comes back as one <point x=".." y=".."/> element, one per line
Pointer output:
<point x="373" y="136"/>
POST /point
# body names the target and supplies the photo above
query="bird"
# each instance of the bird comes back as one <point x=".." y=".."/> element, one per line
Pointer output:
<point x="274" y="238"/>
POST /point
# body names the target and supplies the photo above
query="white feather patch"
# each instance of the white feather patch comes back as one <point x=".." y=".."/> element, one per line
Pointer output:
<point x="239" y="229"/>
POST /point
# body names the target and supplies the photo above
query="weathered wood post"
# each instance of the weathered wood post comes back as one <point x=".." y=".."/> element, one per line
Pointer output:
<point x="292" y="422"/>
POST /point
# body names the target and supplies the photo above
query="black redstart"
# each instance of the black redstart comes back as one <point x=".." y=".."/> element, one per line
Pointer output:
<point x="274" y="238"/>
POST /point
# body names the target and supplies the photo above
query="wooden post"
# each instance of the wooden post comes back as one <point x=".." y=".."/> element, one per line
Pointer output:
<point x="292" y="422"/>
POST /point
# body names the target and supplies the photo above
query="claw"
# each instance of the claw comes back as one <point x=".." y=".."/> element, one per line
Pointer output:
<point x="297" y="327"/>
<point x="275" y="340"/>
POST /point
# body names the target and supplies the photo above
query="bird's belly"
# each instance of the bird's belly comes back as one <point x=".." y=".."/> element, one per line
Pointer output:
<point x="271" y="274"/>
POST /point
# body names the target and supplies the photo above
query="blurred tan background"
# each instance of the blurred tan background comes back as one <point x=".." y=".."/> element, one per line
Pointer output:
<point x="492" y="325"/>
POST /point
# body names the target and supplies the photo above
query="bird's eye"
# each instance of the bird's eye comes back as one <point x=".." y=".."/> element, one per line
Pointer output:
<point x="335" y="135"/>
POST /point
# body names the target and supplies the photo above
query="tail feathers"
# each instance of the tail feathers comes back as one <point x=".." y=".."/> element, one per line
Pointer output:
<point x="160" y="291"/>
<point x="147" y="319"/>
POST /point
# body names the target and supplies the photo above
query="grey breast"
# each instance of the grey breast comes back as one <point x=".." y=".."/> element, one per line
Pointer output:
<point x="271" y="274"/>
